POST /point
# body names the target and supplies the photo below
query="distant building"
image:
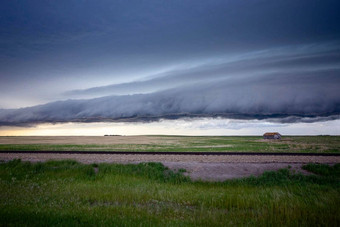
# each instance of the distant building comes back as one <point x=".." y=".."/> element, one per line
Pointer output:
<point x="272" y="135"/>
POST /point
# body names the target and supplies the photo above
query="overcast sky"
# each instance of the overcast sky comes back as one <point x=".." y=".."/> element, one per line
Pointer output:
<point x="269" y="62"/>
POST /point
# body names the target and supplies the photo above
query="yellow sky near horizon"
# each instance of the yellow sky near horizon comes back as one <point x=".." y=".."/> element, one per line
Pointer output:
<point x="203" y="126"/>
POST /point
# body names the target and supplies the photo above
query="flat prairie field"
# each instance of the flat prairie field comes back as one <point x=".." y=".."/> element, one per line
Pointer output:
<point x="316" y="144"/>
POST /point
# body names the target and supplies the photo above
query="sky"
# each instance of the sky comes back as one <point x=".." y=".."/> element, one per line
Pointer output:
<point x="230" y="67"/>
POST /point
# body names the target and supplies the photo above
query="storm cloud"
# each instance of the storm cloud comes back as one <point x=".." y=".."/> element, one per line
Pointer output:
<point x="150" y="60"/>
<point x="283" y="98"/>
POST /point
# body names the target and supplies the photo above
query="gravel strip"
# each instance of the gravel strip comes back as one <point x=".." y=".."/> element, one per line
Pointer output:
<point x="224" y="171"/>
<point x="201" y="167"/>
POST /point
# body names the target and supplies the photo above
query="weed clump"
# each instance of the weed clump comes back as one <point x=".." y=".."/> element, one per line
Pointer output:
<point x="152" y="171"/>
<point x="323" y="169"/>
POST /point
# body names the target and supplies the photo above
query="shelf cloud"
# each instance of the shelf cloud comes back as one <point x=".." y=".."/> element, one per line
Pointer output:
<point x="143" y="61"/>
<point x="284" y="98"/>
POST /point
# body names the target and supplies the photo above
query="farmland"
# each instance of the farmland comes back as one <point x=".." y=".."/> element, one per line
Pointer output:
<point x="149" y="194"/>
<point x="317" y="144"/>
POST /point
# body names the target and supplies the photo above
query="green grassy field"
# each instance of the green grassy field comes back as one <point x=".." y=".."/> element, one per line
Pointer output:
<point x="67" y="193"/>
<point x="196" y="143"/>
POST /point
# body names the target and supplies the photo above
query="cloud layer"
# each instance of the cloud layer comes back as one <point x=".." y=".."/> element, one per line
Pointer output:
<point x="296" y="62"/>
<point x="291" y="84"/>
<point x="50" y="47"/>
<point x="284" y="98"/>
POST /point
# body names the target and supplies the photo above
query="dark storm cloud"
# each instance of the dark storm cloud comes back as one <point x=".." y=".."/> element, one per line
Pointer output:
<point x="312" y="97"/>
<point x="276" y="60"/>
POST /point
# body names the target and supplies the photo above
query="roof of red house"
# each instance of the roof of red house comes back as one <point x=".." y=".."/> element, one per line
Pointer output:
<point x="271" y="134"/>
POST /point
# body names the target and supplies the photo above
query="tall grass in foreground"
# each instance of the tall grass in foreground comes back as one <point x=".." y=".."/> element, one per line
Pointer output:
<point x="68" y="193"/>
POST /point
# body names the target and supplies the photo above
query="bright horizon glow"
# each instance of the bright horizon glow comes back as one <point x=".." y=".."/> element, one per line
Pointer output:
<point x="188" y="127"/>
